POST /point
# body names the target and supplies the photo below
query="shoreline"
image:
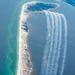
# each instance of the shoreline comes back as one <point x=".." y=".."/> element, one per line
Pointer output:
<point x="24" y="62"/>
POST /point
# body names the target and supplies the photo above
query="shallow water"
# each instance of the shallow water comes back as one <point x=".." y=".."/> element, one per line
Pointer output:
<point x="9" y="22"/>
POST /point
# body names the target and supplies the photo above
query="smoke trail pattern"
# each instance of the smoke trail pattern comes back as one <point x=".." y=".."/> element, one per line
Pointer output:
<point x="56" y="42"/>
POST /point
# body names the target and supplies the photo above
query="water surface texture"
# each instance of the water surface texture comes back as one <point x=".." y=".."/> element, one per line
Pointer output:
<point x="56" y="39"/>
<point x="51" y="36"/>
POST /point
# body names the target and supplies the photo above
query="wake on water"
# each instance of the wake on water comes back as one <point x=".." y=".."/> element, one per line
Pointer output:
<point x="56" y="29"/>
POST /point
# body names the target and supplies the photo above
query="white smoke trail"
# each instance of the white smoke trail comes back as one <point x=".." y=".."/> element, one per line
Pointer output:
<point x="55" y="42"/>
<point x="47" y="44"/>
<point x="59" y="44"/>
<point x="51" y="46"/>
<point x="65" y="44"/>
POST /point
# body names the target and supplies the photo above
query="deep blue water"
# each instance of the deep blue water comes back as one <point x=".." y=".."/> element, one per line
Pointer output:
<point x="9" y="20"/>
<point x="72" y="2"/>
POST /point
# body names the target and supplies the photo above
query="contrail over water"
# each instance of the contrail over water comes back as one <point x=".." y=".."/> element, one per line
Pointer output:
<point x="47" y="43"/>
<point x="65" y="44"/>
<point x="55" y="41"/>
<point x="59" y="43"/>
<point x="55" y="24"/>
<point x="50" y="45"/>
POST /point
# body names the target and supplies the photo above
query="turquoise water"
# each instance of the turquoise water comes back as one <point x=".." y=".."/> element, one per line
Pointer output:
<point x="9" y="22"/>
<point x="5" y="18"/>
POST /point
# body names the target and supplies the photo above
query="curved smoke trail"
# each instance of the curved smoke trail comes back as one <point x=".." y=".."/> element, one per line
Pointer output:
<point x="47" y="43"/>
<point x="55" y="23"/>
<point x="59" y="44"/>
<point x="65" y="44"/>
<point x="51" y="46"/>
<point x="55" y="42"/>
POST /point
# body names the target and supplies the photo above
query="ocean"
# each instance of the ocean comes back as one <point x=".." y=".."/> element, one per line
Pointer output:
<point x="10" y="11"/>
<point x="9" y="23"/>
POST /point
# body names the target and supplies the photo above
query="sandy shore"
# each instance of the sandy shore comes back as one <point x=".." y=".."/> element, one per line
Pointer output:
<point x="24" y="62"/>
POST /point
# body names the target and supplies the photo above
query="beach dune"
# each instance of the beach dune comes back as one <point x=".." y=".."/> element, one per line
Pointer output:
<point x="24" y="62"/>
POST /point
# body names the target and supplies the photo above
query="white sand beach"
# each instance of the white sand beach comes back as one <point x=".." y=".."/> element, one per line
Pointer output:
<point x="24" y="62"/>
